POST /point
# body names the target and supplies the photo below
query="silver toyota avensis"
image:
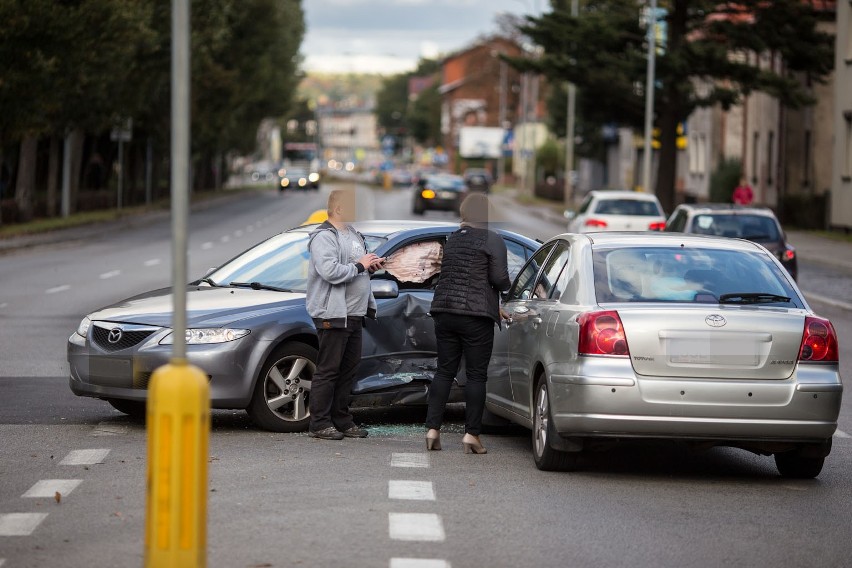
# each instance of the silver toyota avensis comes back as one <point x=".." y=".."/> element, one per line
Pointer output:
<point x="701" y="339"/>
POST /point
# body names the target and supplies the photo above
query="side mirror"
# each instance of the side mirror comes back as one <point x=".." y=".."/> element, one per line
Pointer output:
<point x="384" y="289"/>
<point x="421" y="183"/>
<point x="568" y="214"/>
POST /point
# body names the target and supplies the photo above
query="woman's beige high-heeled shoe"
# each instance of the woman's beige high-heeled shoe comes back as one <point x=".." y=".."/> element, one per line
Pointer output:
<point x="433" y="440"/>
<point x="472" y="445"/>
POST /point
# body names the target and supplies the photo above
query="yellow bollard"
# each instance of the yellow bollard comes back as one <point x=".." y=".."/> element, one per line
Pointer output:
<point x="387" y="181"/>
<point x="178" y="434"/>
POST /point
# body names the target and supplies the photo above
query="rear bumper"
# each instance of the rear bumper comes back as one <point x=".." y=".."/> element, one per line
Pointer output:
<point x="803" y="408"/>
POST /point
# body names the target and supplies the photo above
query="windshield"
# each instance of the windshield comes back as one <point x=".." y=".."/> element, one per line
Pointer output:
<point x="636" y="207"/>
<point x="751" y="227"/>
<point x="446" y="182"/>
<point x="658" y="274"/>
<point x="281" y="261"/>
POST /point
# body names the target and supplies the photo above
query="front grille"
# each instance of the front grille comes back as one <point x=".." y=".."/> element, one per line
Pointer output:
<point x="129" y="338"/>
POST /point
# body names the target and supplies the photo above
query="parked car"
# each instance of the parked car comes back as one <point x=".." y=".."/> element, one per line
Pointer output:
<point x="700" y="339"/>
<point x="401" y="177"/>
<point x="610" y="210"/>
<point x="441" y="192"/>
<point x="250" y="332"/>
<point x="756" y="224"/>
<point x="297" y="178"/>
<point x="478" y="179"/>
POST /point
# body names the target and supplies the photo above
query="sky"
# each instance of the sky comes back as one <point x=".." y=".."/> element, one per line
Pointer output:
<point x="389" y="36"/>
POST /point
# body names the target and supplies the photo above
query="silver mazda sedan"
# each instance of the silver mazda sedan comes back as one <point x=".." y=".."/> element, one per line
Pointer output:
<point x="701" y="339"/>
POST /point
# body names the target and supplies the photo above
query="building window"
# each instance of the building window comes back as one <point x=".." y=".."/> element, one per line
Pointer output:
<point x="702" y="154"/>
<point x="806" y="178"/>
<point x="755" y="149"/>
<point x="693" y="154"/>
<point x="847" y="151"/>
<point x="770" y="152"/>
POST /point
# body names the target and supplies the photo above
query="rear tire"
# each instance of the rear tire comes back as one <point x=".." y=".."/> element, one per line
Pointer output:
<point x="418" y="209"/>
<point x="133" y="408"/>
<point x="796" y="466"/>
<point x="280" y="402"/>
<point x="546" y="458"/>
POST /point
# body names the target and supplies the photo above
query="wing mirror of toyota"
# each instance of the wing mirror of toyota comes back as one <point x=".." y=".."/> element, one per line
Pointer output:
<point x="385" y="289"/>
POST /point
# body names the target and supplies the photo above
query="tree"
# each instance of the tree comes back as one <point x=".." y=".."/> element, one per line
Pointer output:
<point x="398" y="116"/>
<point x="708" y="57"/>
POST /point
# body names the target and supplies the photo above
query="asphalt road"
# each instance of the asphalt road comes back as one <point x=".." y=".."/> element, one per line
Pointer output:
<point x="288" y="500"/>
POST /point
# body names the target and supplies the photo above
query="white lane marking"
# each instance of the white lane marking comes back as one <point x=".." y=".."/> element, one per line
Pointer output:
<point x="828" y="301"/>
<point x="152" y="262"/>
<point x="411" y="490"/>
<point x="841" y="434"/>
<point x="226" y="238"/>
<point x="50" y="487"/>
<point x="422" y="527"/>
<point x="20" y="524"/>
<point x="110" y="274"/>
<point x="238" y="233"/>
<point x="84" y="457"/>
<point x="418" y="563"/>
<point x="207" y="246"/>
<point x="409" y="460"/>
<point x="57" y="289"/>
<point x="109" y="429"/>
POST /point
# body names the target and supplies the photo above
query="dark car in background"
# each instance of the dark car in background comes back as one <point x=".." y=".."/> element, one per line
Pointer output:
<point x="297" y="178"/>
<point x="756" y="224"/>
<point x="478" y="179"/>
<point x="249" y="331"/>
<point x="441" y="192"/>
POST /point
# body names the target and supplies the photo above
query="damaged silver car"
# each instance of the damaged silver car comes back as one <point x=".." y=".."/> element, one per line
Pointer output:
<point x="250" y="332"/>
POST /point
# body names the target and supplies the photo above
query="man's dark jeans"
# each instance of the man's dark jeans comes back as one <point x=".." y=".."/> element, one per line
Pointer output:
<point x="471" y="337"/>
<point x="331" y="387"/>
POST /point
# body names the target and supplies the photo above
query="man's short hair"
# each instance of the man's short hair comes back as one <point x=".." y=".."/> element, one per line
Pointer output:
<point x="475" y="209"/>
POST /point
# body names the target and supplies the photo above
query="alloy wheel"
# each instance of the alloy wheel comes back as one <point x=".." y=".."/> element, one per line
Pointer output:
<point x="542" y="420"/>
<point x="287" y="387"/>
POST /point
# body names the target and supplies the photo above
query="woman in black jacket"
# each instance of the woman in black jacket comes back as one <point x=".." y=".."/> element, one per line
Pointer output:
<point x="466" y="306"/>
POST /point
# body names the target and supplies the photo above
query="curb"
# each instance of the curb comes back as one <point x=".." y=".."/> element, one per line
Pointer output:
<point x="820" y="299"/>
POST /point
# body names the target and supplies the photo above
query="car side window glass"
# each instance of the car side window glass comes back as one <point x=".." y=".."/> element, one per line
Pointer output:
<point x="415" y="266"/>
<point x="550" y="273"/>
<point x="585" y="205"/>
<point x="516" y="255"/>
<point x="678" y="224"/>
<point x="522" y="290"/>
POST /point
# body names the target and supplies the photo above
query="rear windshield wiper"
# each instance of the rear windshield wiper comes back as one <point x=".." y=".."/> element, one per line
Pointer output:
<point x="752" y="298"/>
<point x="258" y="286"/>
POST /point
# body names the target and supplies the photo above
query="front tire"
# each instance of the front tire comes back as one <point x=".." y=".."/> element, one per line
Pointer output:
<point x="280" y="402"/>
<point x="418" y="208"/>
<point x="796" y="466"/>
<point x="546" y="458"/>
<point x="133" y="408"/>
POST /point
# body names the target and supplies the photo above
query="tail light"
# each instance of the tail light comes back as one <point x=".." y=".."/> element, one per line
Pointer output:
<point x="595" y="223"/>
<point x="819" y="341"/>
<point x="788" y="254"/>
<point x="658" y="226"/>
<point x="601" y="333"/>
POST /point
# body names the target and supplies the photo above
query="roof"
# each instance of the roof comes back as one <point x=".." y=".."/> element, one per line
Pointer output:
<point x="630" y="239"/>
<point x="617" y="193"/>
<point x="377" y="228"/>
<point x="728" y="208"/>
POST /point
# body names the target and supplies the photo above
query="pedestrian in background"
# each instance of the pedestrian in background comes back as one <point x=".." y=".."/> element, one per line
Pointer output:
<point x="338" y="299"/>
<point x="743" y="194"/>
<point x="466" y="307"/>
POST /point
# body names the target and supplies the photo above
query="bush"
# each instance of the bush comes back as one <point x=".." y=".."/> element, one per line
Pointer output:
<point x="724" y="180"/>
<point x="550" y="157"/>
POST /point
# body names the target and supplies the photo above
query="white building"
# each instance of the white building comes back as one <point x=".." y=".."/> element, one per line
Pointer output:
<point x="840" y="215"/>
<point x="349" y="134"/>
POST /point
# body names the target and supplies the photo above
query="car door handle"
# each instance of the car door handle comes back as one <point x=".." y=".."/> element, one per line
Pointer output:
<point x="536" y="321"/>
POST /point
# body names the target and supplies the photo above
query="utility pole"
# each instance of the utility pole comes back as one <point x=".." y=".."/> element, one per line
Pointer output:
<point x="649" y="96"/>
<point x="501" y="158"/>
<point x="569" y="129"/>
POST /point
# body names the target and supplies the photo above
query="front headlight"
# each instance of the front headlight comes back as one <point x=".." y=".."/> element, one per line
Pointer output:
<point x="83" y="328"/>
<point x="314" y="177"/>
<point x="208" y="335"/>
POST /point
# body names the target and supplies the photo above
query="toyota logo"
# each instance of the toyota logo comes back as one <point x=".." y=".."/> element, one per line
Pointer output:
<point x="715" y="320"/>
<point x="115" y="335"/>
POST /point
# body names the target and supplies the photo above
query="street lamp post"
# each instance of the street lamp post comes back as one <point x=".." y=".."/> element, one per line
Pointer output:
<point x="570" y="128"/>
<point x="649" y="95"/>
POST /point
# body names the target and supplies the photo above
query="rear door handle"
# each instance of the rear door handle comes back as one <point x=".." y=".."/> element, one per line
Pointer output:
<point x="536" y="321"/>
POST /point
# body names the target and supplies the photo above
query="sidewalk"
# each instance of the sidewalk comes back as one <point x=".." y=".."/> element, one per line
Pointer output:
<point x="811" y="247"/>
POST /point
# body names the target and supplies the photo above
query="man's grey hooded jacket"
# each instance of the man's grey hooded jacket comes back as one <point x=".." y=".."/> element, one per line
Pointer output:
<point x="329" y="270"/>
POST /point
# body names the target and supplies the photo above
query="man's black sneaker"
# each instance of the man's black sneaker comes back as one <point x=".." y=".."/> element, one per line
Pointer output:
<point x="330" y="433"/>
<point x="355" y="432"/>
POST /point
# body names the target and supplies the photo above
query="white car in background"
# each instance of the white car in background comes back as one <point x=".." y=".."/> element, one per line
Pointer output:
<point x="610" y="210"/>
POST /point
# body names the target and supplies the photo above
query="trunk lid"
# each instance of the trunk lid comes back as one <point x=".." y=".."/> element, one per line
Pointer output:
<point x="626" y="222"/>
<point x="724" y="342"/>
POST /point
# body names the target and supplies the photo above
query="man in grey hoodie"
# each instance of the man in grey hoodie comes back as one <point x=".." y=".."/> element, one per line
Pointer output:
<point x="338" y="299"/>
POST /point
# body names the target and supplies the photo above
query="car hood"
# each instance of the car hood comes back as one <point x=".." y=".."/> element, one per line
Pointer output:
<point x="206" y="307"/>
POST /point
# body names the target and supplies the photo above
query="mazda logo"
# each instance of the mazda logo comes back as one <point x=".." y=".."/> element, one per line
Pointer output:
<point x="115" y="335"/>
<point x="715" y="320"/>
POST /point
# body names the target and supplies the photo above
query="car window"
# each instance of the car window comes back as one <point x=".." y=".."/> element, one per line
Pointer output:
<point x="566" y="284"/>
<point x="522" y="289"/>
<point x="415" y="266"/>
<point x="700" y="275"/>
<point x="585" y="205"/>
<point x="751" y="227"/>
<point x="281" y="261"/>
<point x="678" y="222"/>
<point x="550" y="273"/>
<point x="516" y="256"/>
<point x="373" y="242"/>
<point x="626" y="206"/>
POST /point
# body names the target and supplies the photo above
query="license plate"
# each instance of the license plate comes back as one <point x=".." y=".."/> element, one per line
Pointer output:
<point x="111" y="371"/>
<point x="447" y="195"/>
<point x="723" y="353"/>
